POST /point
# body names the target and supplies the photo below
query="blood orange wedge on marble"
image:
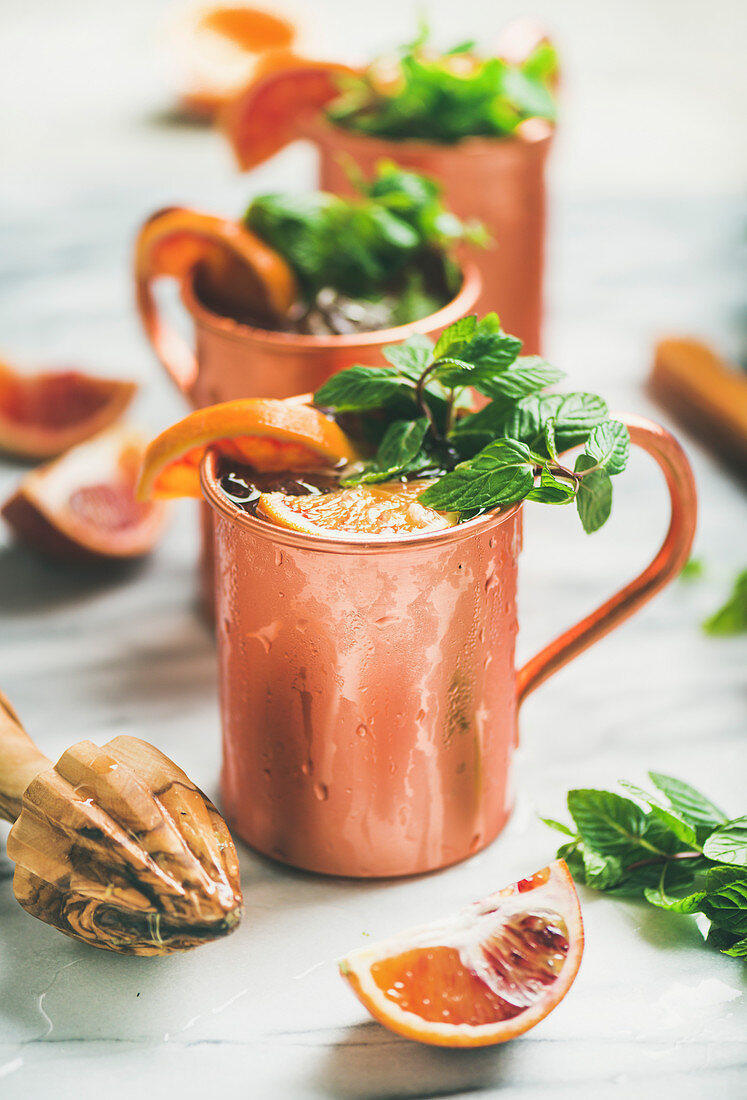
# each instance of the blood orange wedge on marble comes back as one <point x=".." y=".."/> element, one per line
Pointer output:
<point x="237" y="267"/>
<point x="82" y="506"/>
<point x="264" y="433"/>
<point x="482" y="977"/>
<point x="42" y="415"/>
<point x="384" y="510"/>
<point x="262" y="118"/>
<point x="218" y="49"/>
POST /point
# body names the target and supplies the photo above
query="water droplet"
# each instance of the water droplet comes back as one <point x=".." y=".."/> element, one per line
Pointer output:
<point x="362" y="730"/>
<point x="227" y="626"/>
<point x="278" y="557"/>
<point x="420" y="715"/>
<point x="475" y="842"/>
<point x="321" y="791"/>
<point x="491" y="581"/>
<point x="267" y="774"/>
<point x="308" y="768"/>
<point x="387" y="620"/>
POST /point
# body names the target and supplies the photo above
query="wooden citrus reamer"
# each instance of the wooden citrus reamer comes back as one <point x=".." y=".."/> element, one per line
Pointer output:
<point x="116" y="846"/>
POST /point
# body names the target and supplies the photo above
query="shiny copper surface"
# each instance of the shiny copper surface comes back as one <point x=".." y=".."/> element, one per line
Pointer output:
<point x="368" y="689"/>
<point x="498" y="181"/>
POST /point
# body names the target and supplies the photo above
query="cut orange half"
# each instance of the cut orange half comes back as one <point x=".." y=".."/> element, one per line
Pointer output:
<point x="82" y="506"/>
<point x="482" y="977"/>
<point x="243" y="272"/>
<point x="391" y="508"/>
<point x="42" y="415"/>
<point x="262" y="118"/>
<point x="261" y="432"/>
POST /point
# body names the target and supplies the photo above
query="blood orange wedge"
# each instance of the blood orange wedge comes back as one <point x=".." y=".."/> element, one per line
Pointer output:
<point x="218" y="49"/>
<point x="41" y="415"/>
<point x="383" y="510"/>
<point x="262" y="118"/>
<point x="261" y="432"/>
<point x="82" y="507"/>
<point x="482" y="977"/>
<point x="242" y="271"/>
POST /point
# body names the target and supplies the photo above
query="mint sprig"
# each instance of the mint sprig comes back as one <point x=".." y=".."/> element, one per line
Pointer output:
<point x="435" y="100"/>
<point x="674" y="849"/>
<point x="506" y="452"/>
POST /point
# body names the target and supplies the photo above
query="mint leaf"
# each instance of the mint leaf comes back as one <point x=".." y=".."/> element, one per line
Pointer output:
<point x="689" y="904"/>
<point x="691" y="804"/>
<point x="737" y="950"/>
<point x="732" y="617"/>
<point x="728" y="908"/>
<point x="551" y="490"/>
<point x="397" y="452"/>
<point x="601" y="871"/>
<point x="728" y="844"/>
<point x="607" y="821"/>
<point x="677" y="825"/>
<point x="577" y="415"/>
<point x="550" y="445"/>
<point x="410" y="358"/>
<point x="609" y="446"/>
<point x="593" y="496"/>
<point x="553" y="824"/>
<point x="528" y="374"/>
<point x="455" y="335"/>
<point x="360" y="388"/>
<point x="499" y="475"/>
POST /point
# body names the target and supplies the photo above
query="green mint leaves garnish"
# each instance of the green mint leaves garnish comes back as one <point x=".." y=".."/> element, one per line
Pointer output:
<point x="732" y="617"/>
<point x="435" y="100"/>
<point x="382" y="241"/>
<point x="416" y="415"/>
<point x="675" y="849"/>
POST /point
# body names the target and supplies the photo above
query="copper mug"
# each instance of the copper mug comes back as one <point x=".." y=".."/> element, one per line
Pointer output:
<point x="498" y="181"/>
<point x="368" y="691"/>
<point x="231" y="359"/>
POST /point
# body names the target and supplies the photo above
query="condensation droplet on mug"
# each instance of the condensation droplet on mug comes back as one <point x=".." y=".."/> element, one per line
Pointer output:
<point x="267" y="774"/>
<point x="321" y="791"/>
<point x="475" y="842"/>
<point x="387" y="620"/>
<point x="307" y="768"/>
<point x="278" y="557"/>
<point x="420" y="716"/>
<point x="491" y="542"/>
<point x="227" y="626"/>
<point x="491" y="581"/>
<point x="362" y="730"/>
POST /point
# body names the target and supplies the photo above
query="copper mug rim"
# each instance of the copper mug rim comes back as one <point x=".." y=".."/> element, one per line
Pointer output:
<point x="290" y="343"/>
<point x="337" y="544"/>
<point x="531" y="132"/>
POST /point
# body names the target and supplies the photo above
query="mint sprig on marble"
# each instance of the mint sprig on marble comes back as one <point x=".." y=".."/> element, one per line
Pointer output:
<point x="675" y="849"/>
<point x="416" y="415"/>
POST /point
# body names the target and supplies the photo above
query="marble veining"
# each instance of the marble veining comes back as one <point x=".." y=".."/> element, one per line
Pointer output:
<point x="84" y="654"/>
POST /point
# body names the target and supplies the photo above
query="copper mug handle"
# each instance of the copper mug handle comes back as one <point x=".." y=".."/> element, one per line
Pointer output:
<point x="667" y="563"/>
<point x="173" y="351"/>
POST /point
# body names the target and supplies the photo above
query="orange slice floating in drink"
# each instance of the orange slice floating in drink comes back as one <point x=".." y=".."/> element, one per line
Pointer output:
<point x="263" y="117"/>
<point x="482" y="977"/>
<point x="42" y="415"/>
<point x="268" y="434"/>
<point x="242" y="271"/>
<point x="390" y="508"/>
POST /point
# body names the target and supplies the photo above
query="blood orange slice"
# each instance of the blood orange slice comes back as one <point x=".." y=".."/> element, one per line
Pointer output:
<point x="241" y="270"/>
<point x="265" y="433"/>
<point x="263" y="117"/>
<point x="383" y="510"/>
<point x="482" y="977"/>
<point x="82" y="507"/>
<point x="42" y="415"/>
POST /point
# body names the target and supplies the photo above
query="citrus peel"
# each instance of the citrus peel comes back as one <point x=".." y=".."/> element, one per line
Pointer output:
<point x="268" y="434"/>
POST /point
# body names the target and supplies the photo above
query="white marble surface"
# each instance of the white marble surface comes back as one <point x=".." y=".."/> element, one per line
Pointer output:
<point x="264" y="1014"/>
